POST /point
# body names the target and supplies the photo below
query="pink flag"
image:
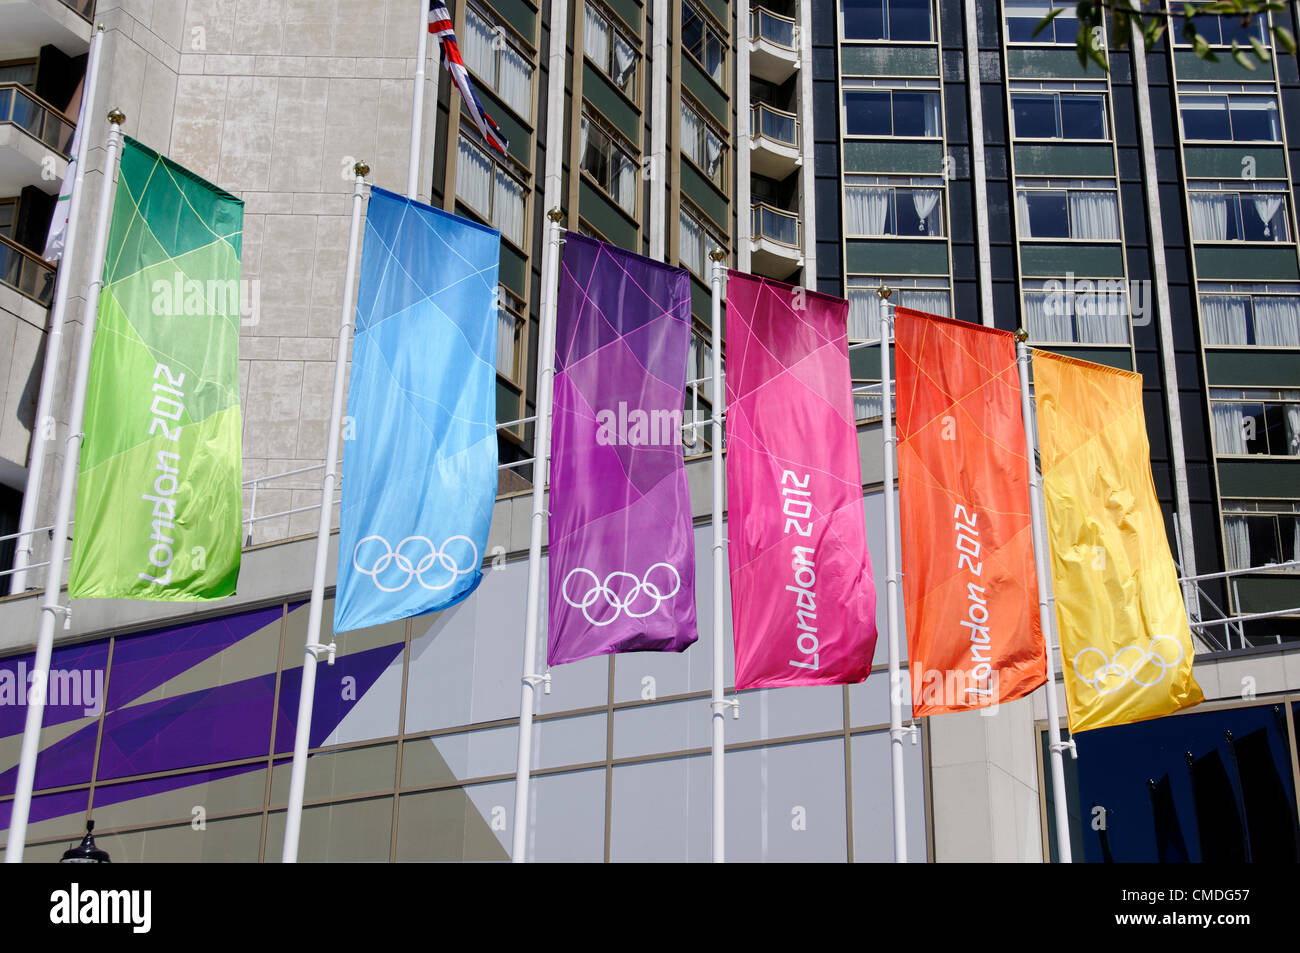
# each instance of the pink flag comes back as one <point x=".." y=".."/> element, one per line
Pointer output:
<point x="803" y="603"/>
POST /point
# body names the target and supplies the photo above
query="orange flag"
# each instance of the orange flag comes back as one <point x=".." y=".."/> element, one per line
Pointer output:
<point x="969" y="584"/>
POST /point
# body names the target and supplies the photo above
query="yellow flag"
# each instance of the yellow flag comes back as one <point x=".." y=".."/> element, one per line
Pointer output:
<point x="1125" y="644"/>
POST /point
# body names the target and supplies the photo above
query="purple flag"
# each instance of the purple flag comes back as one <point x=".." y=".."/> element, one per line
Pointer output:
<point x="622" y="550"/>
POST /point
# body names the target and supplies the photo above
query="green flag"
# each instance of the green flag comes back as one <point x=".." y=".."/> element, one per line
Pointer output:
<point x="158" y="495"/>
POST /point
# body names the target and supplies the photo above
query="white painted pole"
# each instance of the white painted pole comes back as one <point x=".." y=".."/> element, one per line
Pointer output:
<point x="541" y="471"/>
<point x="417" y="105"/>
<point x="307" y="693"/>
<point x="50" y="608"/>
<point x="718" y="703"/>
<point x="54" y="332"/>
<point x="1045" y="616"/>
<point x="896" y="729"/>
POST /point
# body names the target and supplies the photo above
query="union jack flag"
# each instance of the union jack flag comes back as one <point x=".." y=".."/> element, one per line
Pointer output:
<point x="440" y="26"/>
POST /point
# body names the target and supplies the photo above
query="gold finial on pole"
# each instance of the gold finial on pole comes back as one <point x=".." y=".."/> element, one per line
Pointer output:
<point x="885" y="292"/>
<point x="117" y="117"/>
<point x="362" y="168"/>
<point x="555" y="215"/>
<point x="717" y="254"/>
<point x="1022" y="335"/>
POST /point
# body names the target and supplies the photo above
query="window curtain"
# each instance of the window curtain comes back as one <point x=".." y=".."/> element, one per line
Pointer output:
<point x="1102" y="318"/>
<point x="1277" y="322"/>
<point x="624" y="63"/>
<point x="933" y="127"/>
<point x="868" y="403"/>
<point x="1022" y="215"/>
<point x="622" y="179"/>
<point x="1223" y="319"/>
<point x="1292" y="413"/>
<point x="712" y="153"/>
<point x="1209" y="216"/>
<point x="865" y="210"/>
<point x="691" y="135"/>
<point x="1047" y="316"/>
<point x="1294" y="534"/>
<point x="931" y="302"/>
<point x="477" y="50"/>
<point x="925" y="202"/>
<point x="1229" y="434"/>
<point x="1269" y="208"/>
<point x="692" y="243"/>
<point x="506" y="343"/>
<point x="1093" y="215"/>
<point x="508" y="208"/>
<point x="516" y="82"/>
<point x="1236" y="536"/>
<point x="474" y="178"/>
<point x="595" y="38"/>
<point x="864" y="314"/>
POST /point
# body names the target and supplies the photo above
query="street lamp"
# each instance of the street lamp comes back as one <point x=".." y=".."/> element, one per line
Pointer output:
<point x="86" y="852"/>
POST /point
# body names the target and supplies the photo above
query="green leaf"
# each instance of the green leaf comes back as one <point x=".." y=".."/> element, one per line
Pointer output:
<point x="1042" y="24"/>
<point x="1242" y="60"/>
<point x="1283" y="38"/>
<point x="1260" y="49"/>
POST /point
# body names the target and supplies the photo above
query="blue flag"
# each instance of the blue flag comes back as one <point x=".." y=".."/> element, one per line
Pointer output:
<point x="420" y="448"/>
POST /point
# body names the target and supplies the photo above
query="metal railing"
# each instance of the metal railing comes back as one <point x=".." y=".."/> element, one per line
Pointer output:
<point x="774" y="28"/>
<point x="774" y="225"/>
<point x="37" y="118"/>
<point x="26" y="272"/>
<point x="772" y="123"/>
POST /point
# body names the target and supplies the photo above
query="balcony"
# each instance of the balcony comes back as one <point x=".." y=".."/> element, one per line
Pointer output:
<point x="31" y="24"/>
<point x="773" y="141"/>
<point x="773" y="46"/>
<point x="30" y="131"/>
<point x="775" y="245"/>
<point x="25" y="272"/>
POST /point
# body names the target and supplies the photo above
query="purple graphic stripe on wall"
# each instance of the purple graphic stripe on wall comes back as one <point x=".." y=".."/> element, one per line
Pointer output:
<point x="47" y="806"/>
<point x="77" y="683"/>
<point x="332" y="703"/>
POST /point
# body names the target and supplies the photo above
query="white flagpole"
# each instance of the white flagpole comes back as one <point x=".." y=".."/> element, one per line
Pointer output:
<point x="313" y="648"/>
<point x="417" y="105"/>
<point x="896" y="729"/>
<point x="50" y="608"/>
<point x="1045" y="616"/>
<point x="718" y="703"/>
<point x="54" y="333"/>
<point x="541" y="471"/>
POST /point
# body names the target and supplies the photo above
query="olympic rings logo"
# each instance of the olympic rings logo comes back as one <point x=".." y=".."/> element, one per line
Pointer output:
<point x="600" y="598"/>
<point x="402" y="559"/>
<point x="1131" y="663"/>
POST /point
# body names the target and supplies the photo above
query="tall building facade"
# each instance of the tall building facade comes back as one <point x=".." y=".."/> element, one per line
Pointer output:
<point x="1142" y="217"/>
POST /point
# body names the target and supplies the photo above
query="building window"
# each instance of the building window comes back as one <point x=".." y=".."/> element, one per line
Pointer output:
<point x="510" y="329"/>
<point x="704" y="145"/>
<point x="865" y="307"/>
<point x="1256" y="421"/>
<point x="704" y="42"/>
<point x="1230" y="117"/>
<point x="1261" y="533"/>
<point x="1255" y="216"/>
<point x="699" y="392"/>
<point x="610" y="50"/>
<point x="695" y="241"/>
<point x="1082" y="213"/>
<point x="874" y="207"/>
<point x="8" y="216"/>
<point x="22" y="72"/>
<point x="1077" y="311"/>
<point x="610" y="163"/>
<point x="1245" y="319"/>
<point x="873" y="111"/>
<point x="897" y="20"/>
<point x="1023" y="17"/>
<point x="1058" y="116"/>
<point x="497" y="62"/>
<point x="485" y="186"/>
<point x="1226" y="30"/>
